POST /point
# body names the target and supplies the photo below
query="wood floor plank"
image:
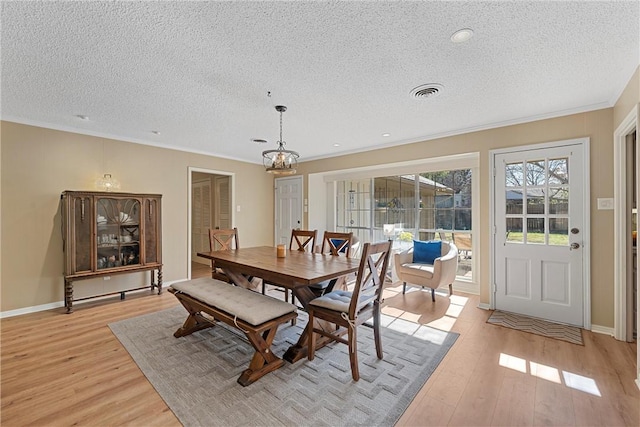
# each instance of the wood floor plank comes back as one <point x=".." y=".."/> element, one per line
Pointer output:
<point x="69" y="369"/>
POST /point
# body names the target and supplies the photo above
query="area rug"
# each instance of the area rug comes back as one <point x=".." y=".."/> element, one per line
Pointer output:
<point x="196" y="375"/>
<point x="532" y="325"/>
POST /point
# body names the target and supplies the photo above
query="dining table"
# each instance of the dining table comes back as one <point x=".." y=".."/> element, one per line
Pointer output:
<point x="296" y="271"/>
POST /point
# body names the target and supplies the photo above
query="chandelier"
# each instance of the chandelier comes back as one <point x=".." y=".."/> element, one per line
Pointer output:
<point x="280" y="161"/>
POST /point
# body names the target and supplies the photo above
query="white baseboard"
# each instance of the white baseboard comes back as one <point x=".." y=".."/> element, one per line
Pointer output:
<point x="58" y="304"/>
<point x="33" y="309"/>
<point x="603" y="330"/>
<point x="638" y="383"/>
<point x="484" y="306"/>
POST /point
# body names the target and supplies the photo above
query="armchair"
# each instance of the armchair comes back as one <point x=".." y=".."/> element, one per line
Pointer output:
<point x="441" y="272"/>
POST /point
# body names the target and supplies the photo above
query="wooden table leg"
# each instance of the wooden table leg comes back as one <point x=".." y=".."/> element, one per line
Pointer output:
<point x="238" y="278"/>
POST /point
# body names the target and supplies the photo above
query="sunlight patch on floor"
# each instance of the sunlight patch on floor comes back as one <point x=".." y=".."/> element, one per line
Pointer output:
<point x="549" y="373"/>
<point x="446" y="322"/>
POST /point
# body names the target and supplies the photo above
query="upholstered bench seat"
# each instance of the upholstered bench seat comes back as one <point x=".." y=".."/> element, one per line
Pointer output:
<point x="252" y="307"/>
<point x="257" y="315"/>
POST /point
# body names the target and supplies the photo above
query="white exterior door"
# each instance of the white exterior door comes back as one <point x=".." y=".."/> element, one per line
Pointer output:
<point x="540" y="224"/>
<point x="288" y="207"/>
<point x="200" y="219"/>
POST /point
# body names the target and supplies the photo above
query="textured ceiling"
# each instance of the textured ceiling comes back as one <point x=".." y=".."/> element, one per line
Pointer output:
<point x="200" y="73"/>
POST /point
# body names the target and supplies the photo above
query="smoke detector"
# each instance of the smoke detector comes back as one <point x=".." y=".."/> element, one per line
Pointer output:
<point x="430" y="90"/>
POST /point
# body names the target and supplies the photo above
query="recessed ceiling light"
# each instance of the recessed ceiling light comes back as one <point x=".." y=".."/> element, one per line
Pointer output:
<point x="336" y="145"/>
<point x="462" y="35"/>
<point x="155" y="132"/>
<point x="82" y="117"/>
<point x="386" y="134"/>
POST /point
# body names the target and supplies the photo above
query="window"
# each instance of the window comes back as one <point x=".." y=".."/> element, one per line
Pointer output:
<point x="425" y="206"/>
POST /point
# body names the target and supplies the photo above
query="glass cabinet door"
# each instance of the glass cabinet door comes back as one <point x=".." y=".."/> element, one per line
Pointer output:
<point x="118" y="232"/>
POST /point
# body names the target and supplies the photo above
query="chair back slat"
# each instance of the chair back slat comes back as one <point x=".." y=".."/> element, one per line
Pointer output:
<point x="370" y="277"/>
<point x="223" y="239"/>
<point x="303" y="240"/>
<point x="336" y="243"/>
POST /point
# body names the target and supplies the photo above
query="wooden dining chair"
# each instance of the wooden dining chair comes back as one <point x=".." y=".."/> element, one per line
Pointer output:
<point x="349" y="309"/>
<point x="222" y="240"/>
<point x="303" y="241"/>
<point x="337" y="244"/>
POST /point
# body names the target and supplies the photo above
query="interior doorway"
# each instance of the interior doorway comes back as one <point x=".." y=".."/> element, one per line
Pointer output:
<point x="210" y="206"/>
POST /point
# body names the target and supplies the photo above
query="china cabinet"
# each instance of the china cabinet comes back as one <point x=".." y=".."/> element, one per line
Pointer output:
<point x="106" y="234"/>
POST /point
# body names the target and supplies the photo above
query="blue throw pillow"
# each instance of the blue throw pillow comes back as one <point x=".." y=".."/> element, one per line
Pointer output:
<point x="337" y="243"/>
<point x="426" y="252"/>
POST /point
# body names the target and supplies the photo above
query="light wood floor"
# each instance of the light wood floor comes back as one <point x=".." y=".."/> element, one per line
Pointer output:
<point x="60" y="369"/>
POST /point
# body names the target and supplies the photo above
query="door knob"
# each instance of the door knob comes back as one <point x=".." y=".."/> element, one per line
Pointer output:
<point x="575" y="230"/>
<point x="574" y="246"/>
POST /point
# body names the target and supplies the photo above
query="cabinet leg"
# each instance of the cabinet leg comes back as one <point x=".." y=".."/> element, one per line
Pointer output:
<point x="159" y="281"/>
<point x="68" y="295"/>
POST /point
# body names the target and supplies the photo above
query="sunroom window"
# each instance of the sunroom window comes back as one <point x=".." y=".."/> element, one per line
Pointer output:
<point x="403" y="208"/>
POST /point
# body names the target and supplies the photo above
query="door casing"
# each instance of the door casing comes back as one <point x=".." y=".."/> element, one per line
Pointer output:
<point x="620" y="217"/>
<point x="190" y="172"/>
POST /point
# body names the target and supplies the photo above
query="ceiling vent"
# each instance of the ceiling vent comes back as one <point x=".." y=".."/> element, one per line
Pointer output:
<point x="430" y="90"/>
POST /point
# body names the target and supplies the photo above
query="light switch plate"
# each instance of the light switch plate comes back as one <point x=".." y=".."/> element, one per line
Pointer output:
<point x="605" y="204"/>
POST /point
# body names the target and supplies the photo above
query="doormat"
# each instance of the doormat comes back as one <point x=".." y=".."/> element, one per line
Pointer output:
<point x="567" y="333"/>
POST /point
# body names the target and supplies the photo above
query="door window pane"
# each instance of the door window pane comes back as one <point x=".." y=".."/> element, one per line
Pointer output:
<point x="535" y="173"/>
<point x="558" y="171"/>
<point x="535" y="202"/>
<point x="559" y="231"/>
<point x="535" y="230"/>
<point x="559" y="201"/>
<point x="514" y="230"/>
<point x="514" y="202"/>
<point x="514" y="175"/>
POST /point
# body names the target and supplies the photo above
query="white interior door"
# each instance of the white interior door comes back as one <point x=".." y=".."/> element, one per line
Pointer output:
<point x="200" y="219"/>
<point x="540" y="225"/>
<point x="288" y="207"/>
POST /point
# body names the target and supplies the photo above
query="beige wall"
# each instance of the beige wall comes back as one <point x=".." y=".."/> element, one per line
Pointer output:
<point x="597" y="125"/>
<point x="38" y="164"/>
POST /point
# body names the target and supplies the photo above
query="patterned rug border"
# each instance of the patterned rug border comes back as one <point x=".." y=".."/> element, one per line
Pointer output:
<point x="532" y="325"/>
<point x="161" y="325"/>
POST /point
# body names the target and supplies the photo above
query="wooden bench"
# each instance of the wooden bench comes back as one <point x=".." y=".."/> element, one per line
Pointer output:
<point x="257" y="315"/>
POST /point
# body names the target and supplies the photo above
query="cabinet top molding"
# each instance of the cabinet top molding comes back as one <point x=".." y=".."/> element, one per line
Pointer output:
<point x="108" y="193"/>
